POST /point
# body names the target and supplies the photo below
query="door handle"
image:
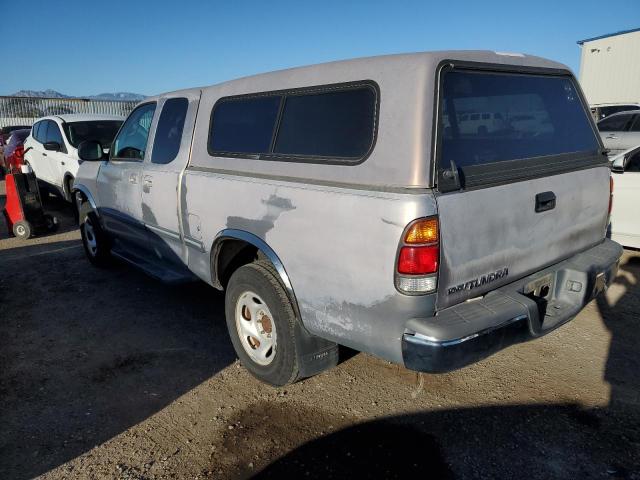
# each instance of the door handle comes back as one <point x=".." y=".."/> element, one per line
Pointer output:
<point x="44" y="154"/>
<point x="62" y="163"/>
<point x="133" y="178"/>
<point x="545" y="201"/>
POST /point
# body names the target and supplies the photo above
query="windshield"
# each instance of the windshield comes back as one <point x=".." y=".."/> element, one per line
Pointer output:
<point x="102" y="131"/>
<point x="529" y="116"/>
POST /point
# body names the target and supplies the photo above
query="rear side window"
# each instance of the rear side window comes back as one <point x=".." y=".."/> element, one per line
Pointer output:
<point x="334" y="123"/>
<point x="337" y="124"/>
<point x="34" y="130"/>
<point x="535" y="117"/>
<point x="41" y="131"/>
<point x="244" y="125"/>
<point x="615" y="123"/>
<point x="166" y="144"/>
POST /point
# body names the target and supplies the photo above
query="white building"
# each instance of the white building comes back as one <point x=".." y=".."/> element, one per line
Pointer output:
<point x="610" y="68"/>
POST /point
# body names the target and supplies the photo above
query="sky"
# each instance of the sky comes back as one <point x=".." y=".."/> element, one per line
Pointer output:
<point x="85" y="47"/>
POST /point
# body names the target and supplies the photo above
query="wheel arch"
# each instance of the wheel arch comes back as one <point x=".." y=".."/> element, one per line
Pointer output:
<point x="229" y="244"/>
<point x="86" y="195"/>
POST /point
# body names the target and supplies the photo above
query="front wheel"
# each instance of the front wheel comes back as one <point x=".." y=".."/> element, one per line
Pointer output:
<point x="94" y="240"/>
<point x="261" y="324"/>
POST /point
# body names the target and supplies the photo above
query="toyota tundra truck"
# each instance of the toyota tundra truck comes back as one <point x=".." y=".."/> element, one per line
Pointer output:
<point x="345" y="204"/>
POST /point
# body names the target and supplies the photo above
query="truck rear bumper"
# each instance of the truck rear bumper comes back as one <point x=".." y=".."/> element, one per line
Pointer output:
<point x="523" y="310"/>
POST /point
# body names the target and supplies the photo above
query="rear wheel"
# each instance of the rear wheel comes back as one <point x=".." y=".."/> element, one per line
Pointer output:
<point x="262" y="324"/>
<point x="94" y="240"/>
<point x="22" y="229"/>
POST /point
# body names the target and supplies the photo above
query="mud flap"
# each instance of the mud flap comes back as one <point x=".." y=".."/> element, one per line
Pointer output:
<point x="315" y="354"/>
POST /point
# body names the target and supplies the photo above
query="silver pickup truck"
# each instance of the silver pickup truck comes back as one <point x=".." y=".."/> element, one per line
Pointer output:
<point x="428" y="208"/>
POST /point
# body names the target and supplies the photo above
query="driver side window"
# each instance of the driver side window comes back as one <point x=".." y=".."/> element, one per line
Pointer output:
<point x="131" y="142"/>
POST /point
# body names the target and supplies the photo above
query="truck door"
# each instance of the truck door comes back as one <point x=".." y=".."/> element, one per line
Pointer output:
<point x="171" y="142"/>
<point x="119" y="180"/>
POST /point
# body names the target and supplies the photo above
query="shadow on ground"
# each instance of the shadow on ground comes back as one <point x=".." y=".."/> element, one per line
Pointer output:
<point x="88" y="353"/>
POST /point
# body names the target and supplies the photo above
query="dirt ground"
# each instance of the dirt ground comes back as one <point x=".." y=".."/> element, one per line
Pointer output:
<point x="110" y="374"/>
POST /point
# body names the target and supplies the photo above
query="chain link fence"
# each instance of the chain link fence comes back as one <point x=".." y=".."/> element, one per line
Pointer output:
<point x="26" y="110"/>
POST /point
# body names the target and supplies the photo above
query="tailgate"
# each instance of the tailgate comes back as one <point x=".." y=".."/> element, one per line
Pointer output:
<point x="493" y="236"/>
<point x="525" y="186"/>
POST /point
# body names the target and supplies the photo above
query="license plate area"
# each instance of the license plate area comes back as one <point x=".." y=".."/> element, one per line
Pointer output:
<point x="541" y="288"/>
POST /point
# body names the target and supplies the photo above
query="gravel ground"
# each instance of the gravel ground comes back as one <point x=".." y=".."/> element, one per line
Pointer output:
<point x="110" y="374"/>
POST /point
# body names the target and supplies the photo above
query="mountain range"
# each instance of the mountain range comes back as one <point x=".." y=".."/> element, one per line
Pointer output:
<point x="102" y="96"/>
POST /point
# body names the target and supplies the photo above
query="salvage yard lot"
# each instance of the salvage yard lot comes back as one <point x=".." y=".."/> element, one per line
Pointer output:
<point x="110" y="374"/>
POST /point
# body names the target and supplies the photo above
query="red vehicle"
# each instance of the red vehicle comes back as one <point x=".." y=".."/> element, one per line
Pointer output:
<point x="14" y="150"/>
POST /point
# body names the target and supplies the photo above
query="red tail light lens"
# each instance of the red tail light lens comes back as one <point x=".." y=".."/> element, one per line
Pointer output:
<point x="19" y="154"/>
<point x="418" y="260"/>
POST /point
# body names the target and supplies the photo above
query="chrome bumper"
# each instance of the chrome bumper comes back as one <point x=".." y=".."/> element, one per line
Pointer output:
<point x="468" y="332"/>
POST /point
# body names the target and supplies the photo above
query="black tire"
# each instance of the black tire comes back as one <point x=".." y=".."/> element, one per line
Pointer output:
<point x="22" y="229"/>
<point x="97" y="246"/>
<point x="259" y="278"/>
<point x="51" y="222"/>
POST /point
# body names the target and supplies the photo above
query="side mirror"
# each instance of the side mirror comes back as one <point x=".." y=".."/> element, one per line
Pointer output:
<point x="54" y="146"/>
<point x="90" y="151"/>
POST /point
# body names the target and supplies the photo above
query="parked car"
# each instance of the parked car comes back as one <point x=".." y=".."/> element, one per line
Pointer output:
<point x="51" y="149"/>
<point x="14" y="150"/>
<point x="625" y="221"/>
<point x="620" y="131"/>
<point x="334" y="208"/>
<point x="5" y="132"/>
<point x="604" y="110"/>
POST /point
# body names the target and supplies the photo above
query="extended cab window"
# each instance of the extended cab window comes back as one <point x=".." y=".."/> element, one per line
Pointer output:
<point x="327" y="123"/>
<point x="131" y="142"/>
<point x="538" y="125"/>
<point x="166" y="143"/>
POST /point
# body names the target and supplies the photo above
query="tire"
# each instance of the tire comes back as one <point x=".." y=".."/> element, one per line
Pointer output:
<point x="66" y="189"/>
<point x="95" y="242"/>
<point x="22" y="229"/>
<point x="51" y="223"/>
<point x="260" y="317"/>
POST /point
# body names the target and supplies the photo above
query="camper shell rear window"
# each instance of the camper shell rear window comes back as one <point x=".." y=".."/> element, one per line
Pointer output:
<point x="537" y="124"/>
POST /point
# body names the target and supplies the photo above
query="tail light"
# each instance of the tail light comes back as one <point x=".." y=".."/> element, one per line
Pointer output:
<point x="418" y="257"/>
<point x="19" y="155"/>
<point x="16" y="159"/>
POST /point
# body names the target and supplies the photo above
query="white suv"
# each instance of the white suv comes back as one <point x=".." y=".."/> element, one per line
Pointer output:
<point x="51" y="149"/>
